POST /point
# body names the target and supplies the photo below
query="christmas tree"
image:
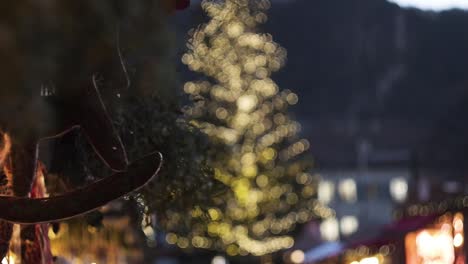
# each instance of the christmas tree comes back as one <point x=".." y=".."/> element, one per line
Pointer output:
<point x="255" y="150"/>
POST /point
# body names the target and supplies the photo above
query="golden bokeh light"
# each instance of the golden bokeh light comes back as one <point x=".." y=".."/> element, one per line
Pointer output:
<point x="261" y="160"/>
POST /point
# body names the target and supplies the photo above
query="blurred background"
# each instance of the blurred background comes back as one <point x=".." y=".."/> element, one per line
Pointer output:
<point x="382" y="89"/>
<point x="353" y="152"/>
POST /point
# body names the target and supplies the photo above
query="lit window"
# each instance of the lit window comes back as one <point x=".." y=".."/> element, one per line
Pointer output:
<point x="329" y="229"/>
<point x="348" y="191"/>
<point x="399" y="189"/>
<point x="458" y="240"/>
<point x="349" y="225"/>
<point x="219" y="260"/>
<point x="326" y="191"/>
<point x="371" y="260"/>
<point x="434" y="244"/>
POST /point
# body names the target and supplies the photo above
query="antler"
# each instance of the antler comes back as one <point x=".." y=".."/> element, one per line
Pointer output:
<point x="32" y="211"/>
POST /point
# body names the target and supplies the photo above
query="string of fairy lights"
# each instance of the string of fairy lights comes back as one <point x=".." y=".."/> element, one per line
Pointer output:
<point x="258" y="155"/>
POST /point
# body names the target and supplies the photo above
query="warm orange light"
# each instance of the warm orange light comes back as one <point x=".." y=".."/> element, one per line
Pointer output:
<point x="458" y="240"/>
<point x="10" y="259"/>
<point x="4" y="152"/>
<point x="297" y="256"/>
<point x="371" y="260"/>
<point x="458" y="223"/>
<point x="430" y="245"/>
<point x="5" y="148"/>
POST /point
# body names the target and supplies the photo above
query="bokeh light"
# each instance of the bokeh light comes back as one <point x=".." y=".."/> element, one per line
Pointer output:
<point x="349" y="225"/>
<point x="257" y="153"/>
<point x="348" y="190"/>
<point x="399" y="189"/>
<point x="329" y="229"/>
<point x="297" y="256"/>
<point x="436" y="5"/>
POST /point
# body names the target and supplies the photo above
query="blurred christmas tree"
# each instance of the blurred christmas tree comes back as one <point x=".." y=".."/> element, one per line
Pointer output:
<point x="255" y="150"/>
<point x="139" y="87"/>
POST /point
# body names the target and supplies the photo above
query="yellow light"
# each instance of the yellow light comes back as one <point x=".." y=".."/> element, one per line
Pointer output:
<point x="247" y="103"/>
<point x="269" y="154"/>
<point x="10" y="259"/>
<point x="348" y="190"/>
<point x="232" y="250"/>
<point x="221" y="113"/>
<point x="292" y="98"/>
<point x="458" y="225"/>
<point x="248" y="159"/>
<point x="326" y="190"/>
<point x="235" y="29"/>
<point x="458" y="240"/>
<point x="183" y="242"/>
<point x="171" y="238"/>
<point x="219" y="260"/>
<point x="242" y="109"/>
<point x="292" y="198"/>
<point x="371" y="260"/>
<point x="349" y="225"/>
<point x="297" y="256"/>
<point x="435" y="244"/>
<point x="214" y="214"/>
<point x="262" y="181"/>
<point x="149" y="231"/>
<point x="329" y="229"/>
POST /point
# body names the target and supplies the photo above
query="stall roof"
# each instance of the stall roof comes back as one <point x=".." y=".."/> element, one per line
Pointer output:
<point x="389" y="234"/>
